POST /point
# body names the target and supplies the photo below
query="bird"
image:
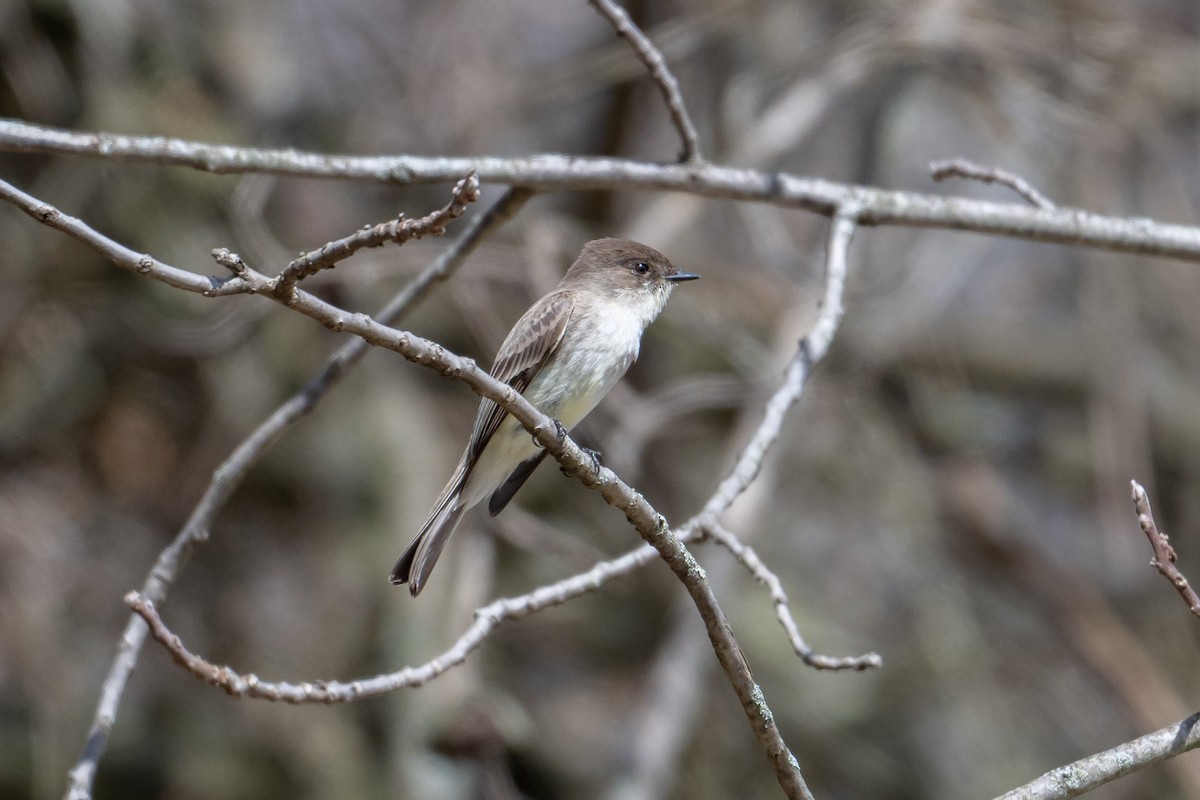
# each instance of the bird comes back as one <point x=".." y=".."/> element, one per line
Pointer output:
<point x="564" y="354"/>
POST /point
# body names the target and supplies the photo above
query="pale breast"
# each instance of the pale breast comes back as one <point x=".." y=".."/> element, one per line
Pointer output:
<point x="596" y="350"/>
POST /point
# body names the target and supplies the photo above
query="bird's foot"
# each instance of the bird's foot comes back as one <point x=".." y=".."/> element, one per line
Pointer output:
<point x="594" y="455"/>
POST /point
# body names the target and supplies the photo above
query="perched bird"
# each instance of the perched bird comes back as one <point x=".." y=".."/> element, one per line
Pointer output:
<point x="563" y="355"/>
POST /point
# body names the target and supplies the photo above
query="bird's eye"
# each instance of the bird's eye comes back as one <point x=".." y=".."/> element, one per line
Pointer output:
<point x="641" y="268"/>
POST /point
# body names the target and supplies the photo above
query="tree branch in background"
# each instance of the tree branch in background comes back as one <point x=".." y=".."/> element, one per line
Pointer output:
<point x="1086" y="774"/>
<point x="660" y="73"/>
<point x="1164" y="554"/>
<point x="549" y="173"/>
<point x="763" y="574"/>
<point x="811" y="350"/>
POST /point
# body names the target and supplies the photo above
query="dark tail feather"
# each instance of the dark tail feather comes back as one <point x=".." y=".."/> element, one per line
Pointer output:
<point x="417" y="560"/>
<point x="404" y="563"/>
<point x="414" y="566"/>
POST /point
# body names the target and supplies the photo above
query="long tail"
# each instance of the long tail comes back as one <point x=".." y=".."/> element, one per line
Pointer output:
<point x="415" y="564"/>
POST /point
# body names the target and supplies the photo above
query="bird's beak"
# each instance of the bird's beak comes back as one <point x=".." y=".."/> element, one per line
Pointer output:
<point x="678" y="277"/>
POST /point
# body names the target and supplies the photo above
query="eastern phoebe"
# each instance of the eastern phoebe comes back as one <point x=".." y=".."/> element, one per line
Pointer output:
<point x="563" y="355"/>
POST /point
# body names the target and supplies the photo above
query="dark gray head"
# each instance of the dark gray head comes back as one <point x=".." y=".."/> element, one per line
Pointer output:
<point x="622" y="265"/>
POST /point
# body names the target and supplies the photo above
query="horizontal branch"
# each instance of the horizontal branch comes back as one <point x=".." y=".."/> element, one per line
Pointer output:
<point x="553" y="172"/>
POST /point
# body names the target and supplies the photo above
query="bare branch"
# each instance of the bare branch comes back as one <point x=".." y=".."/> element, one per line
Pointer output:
<point x="1086" y="774"/>
<point x="398" y="230"/>
<point x="231" y="473"/>
<point x="416" y="290"/>
<point x="660" y="73"/>
<point x="237" y="685"/>
<point x="763" y="574"/>
<point x="117" y="253"/>
<point x="813" y="347"/>
<point x="559" y="173"/>
<point x="1164" y="554"/>
<point x="811" y="350"/>
<point x="486" y="619"/>
<point x="962" y="168"/>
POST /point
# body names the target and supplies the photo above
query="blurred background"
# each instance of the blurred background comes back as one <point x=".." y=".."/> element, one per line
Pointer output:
<point x="952" y="491"/>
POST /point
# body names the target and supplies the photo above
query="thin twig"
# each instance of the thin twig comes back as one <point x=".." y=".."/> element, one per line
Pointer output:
<point x="660" y="73"/>
<point x="231" y="473"/>
<point x="398" y="230"/>
<point x="962" y="168"/>
<point x="811" y="350"/>
<point x="763" y="574"/>
<point x="553" y="172"/>
<point x="1086" y="774"/>
<point x="1164" y="554"/>
<point x="485" y="620"/>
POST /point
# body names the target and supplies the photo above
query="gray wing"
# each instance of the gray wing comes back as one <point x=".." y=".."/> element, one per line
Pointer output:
<point x="529" y="345"/>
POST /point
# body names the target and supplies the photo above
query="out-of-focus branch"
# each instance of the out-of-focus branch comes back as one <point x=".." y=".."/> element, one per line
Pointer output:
<point x="763" y="574"/>
<point x="1086" y="774"/>
<point x="561" y="172"/>
<point x="962" y="168"/>
<point x="1164" y="554"/>
<point x="398" y="230"/>
<point x="660" y="73"/>
<point x="811" y="350"/>
<point x="231" y="473"/>
<point x="118" y="254"/>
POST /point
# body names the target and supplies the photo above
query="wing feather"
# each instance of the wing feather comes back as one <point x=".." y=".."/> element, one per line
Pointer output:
<point x="529" y="345"/>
